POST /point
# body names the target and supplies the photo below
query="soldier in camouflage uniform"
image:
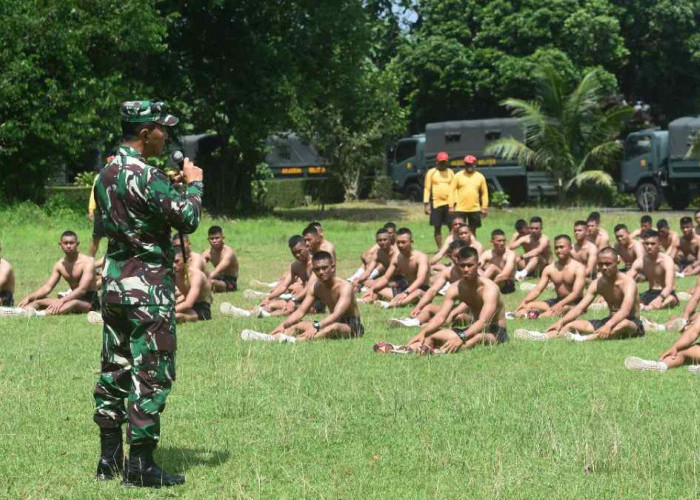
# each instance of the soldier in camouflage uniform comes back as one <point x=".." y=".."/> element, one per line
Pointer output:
<point x="139" y="207"/>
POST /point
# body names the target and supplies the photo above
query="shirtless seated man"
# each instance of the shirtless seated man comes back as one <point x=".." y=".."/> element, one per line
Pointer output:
<point x="315" y="241"/>
<point x="464" y="234"/>
<point x="668" y="238"/>
<point x="659" y="271"/>
<point x="620" y="293"/>
<point x="687" y="257"/>
<point x="79" y="272"/>
<point x="629" y="250"/>
<point x="537" y="252"/>
<point x="7" y="284"/>
<point x="382" y="257"/>
<point x="596" y="234"/>
<point x="569" y="279"/>
<point x="521" y="229"/>
<point x="195" y="260"/>
<point x="369" y="255"/>
<point x="289" y="293"/>
<point x="498" y="263"/>
<point x="425" y="310"/>
<point x="224" y="277"/>
<point x="343" y="321"/>
<point x="483" y="298"/>
<point x="193" y="292"/>
<point x="455" y="222"/>
<point x="584" y="250"/>
<point x="645" y="223"/>
<point x="407" y="277"/>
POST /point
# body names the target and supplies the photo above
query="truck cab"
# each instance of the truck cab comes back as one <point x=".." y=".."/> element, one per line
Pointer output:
<point x="407" y="166"/>
<point x="641" y="169"/>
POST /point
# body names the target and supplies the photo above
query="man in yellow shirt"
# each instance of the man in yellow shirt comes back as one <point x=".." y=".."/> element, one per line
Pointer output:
<point x="436" y="195"/>
<point x="469" y="196"/>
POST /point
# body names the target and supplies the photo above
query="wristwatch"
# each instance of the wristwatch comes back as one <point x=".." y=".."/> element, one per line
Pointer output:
<point x="317" y="325"/>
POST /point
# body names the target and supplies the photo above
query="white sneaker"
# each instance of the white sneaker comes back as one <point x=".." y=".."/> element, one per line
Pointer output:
<point x="253" y="335"/>
<point x="262" y="284"/>
<point x="651" y="326"/>
<point x="577" y="337"/>
<point x="694" y="369"/>
<point x="523" y="334"/>
<point x="254" y="294"/>
<point x="287" y="296"/>
<point x="676" y="325"/>
<point x="526" y="287"/>
<point x="510" y="315"/>
<point x="635" y="363"/>
<point x="94" y="318"/>
<point x="364" y="289"/>
<point x="383" y="304"/>
<point x="63" y="294"/>
<point x="684" y="296"/>
<point x="520" y="275"/>
<point x="680" y="275"/>
<point x="259" y="312"/>
<point x="399" y="322"/>
<point x="284" y="339"/>
<point x="444" y="289"/>
<point x="228" y="309"/>
<point x="11" y="311"/>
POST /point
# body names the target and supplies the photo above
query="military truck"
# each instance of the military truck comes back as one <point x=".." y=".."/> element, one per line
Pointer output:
<point x="656" y="166"/>
<point x="411" y="157"/>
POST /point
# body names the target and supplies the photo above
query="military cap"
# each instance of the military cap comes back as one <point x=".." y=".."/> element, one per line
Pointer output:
<point x="147" y="112"/>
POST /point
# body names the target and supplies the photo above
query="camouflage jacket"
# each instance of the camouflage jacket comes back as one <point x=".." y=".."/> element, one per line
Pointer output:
<point x="139" y="207"/>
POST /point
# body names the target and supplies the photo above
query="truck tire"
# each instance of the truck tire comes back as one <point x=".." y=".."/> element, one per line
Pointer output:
<point x="648" y="196"/>
<point x="679" y="201"/>
<point x="413" y="192"/>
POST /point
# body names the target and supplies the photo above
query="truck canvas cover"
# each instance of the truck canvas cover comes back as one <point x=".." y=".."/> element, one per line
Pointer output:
<point x="681" y="133"/>
<point x="460" y="138"/>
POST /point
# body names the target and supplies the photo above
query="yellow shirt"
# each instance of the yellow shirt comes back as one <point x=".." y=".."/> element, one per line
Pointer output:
<point x="92" y="205"/>
<point x="439" y="182"/>
<point x="469" y="192"/>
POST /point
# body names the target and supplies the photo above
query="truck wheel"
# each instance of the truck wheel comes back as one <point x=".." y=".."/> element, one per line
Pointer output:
<point x="648" y="196"/>
<point x="413" y="192"/>
<point x="679" y="201"/>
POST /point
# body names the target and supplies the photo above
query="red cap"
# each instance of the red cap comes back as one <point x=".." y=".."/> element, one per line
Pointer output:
<point x="442" y="156"/>
<point x="470" y="160"/>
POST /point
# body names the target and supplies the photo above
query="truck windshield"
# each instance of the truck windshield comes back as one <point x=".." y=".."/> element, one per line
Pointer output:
<point x="404" y="151"/>
<point x="637" y="146"/>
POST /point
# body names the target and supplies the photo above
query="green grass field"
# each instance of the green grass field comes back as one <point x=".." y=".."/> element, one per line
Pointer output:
<point x="335" y="420"/>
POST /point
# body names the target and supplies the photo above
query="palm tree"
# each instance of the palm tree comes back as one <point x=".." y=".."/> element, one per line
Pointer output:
<point x="573" y="137"/>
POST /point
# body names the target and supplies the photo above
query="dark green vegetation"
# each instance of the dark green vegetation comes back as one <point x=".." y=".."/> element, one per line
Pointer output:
<point x="351" y="75"/>
<point x="333" y="419"/>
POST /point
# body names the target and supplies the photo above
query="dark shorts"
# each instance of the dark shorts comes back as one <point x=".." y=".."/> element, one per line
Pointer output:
<point x="98" y="230"/>
<point x="556" y="300"/>
<point x="440" y="216"/>
<point x="231" y="282"/>
<point x="494" y="328"/>
<point x="624" y="269"/>
<point x="597" y="323"/>
<point x="203" y="310"/>
<point x="473" y="219"/>
<point x="357" y="329"/>
<point x="7" y="299"/>
<point x="647" y="297"/>
<point x="93" y="298"/>
<point x="401" y="284"/>
<point x="684" y="263"/>
<point x="507" y="286"/>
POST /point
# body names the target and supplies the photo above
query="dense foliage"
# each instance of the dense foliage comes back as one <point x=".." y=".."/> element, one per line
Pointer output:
<point x="348" y="75"/>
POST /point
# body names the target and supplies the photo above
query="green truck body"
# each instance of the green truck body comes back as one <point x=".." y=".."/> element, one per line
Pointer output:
<point x="656" y="167"/>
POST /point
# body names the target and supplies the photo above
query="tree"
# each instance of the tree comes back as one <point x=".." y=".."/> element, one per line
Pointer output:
<point x="569" y="133"/>
<point x="66" y="66"/>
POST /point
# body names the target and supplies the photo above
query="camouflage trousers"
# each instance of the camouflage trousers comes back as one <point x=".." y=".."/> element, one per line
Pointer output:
<point x="138" y="363"/>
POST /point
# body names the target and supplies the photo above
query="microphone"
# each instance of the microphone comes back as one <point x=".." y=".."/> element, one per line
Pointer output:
<point x="178" y="157"/>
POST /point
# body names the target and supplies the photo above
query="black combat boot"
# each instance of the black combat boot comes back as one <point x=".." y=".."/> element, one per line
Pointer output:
<point x="143" y="471"/>
<point x="112" y="454"/>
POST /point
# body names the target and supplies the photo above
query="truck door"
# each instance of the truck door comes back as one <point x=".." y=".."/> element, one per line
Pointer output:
<point x="638" y="164"/>
<point x="404" y="167"/>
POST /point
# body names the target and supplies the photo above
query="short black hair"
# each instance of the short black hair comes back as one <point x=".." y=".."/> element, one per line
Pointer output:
<point x="454" y="245"/>
<point x="463" y="226"/>
<point x="215" y="230"/>
<point x="661" y="224"/>
<point x="69" y="234"/>
<point x="593" y="216"/>
<point x="497" y="232"/>
<point x="619" y="227"/>
<point x="686" y="221"/>
<point x="176" y="238"/>
<point x="381" y="230"/>
<point x="404" y="230"/>
<point x="650" y="233"/>
<point x="130" y="131"/>
<point x="322" y="255"/>
<point x="646" y="219"/>
<point x="316" y="224"/>
<point x="562" y="237"/>
<point x="609" y="250"/>
<point x="390" y="225"/>
<point x="468" y="253"/>
<point x="535" y="218"/>
<point x="310" y="229"/>
<point x="455" y="217"/>
<point x="520" y="223"/>
<point x="295" y="240"/>
<point x="580" y="223"/>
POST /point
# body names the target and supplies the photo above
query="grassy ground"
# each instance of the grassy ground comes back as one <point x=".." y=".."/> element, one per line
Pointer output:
<point x="335" y="420"/>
